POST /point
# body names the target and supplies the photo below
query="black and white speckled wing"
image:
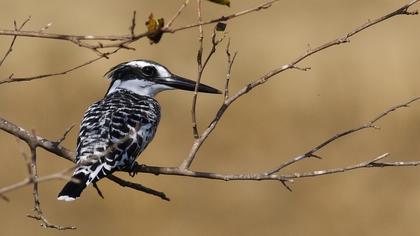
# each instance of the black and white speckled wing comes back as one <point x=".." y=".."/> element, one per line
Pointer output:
<point x="113" y="132"/>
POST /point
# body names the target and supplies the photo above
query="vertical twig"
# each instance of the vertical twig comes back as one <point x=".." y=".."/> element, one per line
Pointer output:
<point x="201" y="66"/>
<point x="230" y="61"/>
<point x="33" y="178"/>
<point x="133" y="25"/>
<point x="200" y="72"/>
<point x="33" y="175"/>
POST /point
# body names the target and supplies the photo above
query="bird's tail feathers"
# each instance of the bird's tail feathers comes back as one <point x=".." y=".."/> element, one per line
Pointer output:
<point x="72" y="190"/>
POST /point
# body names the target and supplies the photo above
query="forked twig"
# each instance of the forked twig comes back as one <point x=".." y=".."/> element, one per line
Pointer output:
<point x="10" y="49"/>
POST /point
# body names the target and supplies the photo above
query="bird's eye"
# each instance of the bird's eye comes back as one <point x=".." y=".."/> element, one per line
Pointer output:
<point x="149" y="71"/>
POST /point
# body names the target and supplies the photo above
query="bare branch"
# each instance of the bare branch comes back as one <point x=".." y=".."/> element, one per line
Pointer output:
<point x="340" y="40"/>
<point x="15" y="186"/>
<point x="28" y="137"/>
<point x="46" y="224"/>
<point x="198" y="142"/>
<point x="369" y="124"/>
<point x="33" y="177"/>
<point x="4" y="198"/>
<point x="172" y="20"/>
<point x="95" y="185"/>
<point x="230" y="61"/>
<point x="200" y="71"/>
<point x="12" y="79"/>
<point x="201" y="66"/>
<point x="60" y="140"/>
<point x="374" y="163"/>
<point x="138" y="187"/>
<point x="27" y="181"/>
<point x="262" y="6"/>
<point x="14" y="39"/>
<point x="133" y="25"/>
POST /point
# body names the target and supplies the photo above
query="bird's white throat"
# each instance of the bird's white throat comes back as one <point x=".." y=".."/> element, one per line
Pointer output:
<point x="139" y="86"/>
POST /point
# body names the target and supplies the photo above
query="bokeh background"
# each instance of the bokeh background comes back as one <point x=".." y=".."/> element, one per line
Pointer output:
<point x="347" y="86"/>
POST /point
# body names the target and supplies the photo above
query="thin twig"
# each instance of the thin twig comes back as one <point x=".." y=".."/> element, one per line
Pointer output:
<point x="15" y="186"/>
<point x="369" y="124"/>
<point x="374" y="163"/>
<point x="33" y="177"/>
<point x="12" y="79"/>
<point x="95" y="185"/>
<point x="201" y="66"/>
<point x="4" y="198"/>
<point x="230" y="61"/>
<point x="10" y="49"/>
<point x="27" y="181"/>
<point x="60" y="140"/>
<point x="172" y="20"/>
<point x="138" y="187"/>
<point x="199" y="69"/>
<point x="28" y="137"/>
<point x="133" y="25"/>
<point x="262" y="6"/>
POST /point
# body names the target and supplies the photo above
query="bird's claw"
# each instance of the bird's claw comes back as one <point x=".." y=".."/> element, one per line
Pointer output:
<point x="133" y="170"/>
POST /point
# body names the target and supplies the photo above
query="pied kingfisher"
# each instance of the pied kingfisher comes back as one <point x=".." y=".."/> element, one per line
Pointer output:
<point x="116" y="129"/>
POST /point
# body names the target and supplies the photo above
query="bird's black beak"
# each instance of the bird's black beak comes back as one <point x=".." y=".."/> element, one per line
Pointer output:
<point x="178" y="82"/>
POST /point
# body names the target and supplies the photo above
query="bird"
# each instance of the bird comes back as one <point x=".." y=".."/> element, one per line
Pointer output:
<point x="116" y="129"/>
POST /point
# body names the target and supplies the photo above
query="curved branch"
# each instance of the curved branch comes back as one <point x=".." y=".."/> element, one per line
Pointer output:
<point x="292" y="65"/>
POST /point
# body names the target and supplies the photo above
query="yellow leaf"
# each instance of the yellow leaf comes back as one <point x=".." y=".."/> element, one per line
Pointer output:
<point x="154" y="27"/>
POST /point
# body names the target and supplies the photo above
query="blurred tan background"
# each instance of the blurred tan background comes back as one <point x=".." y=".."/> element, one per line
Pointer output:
<point x="295" y="111"/>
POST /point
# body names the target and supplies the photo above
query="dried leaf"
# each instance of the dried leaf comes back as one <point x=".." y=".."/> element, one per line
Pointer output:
<point x="220" y="26"/>
<point x="222" y="2"/>
<point x="154" y="27"/>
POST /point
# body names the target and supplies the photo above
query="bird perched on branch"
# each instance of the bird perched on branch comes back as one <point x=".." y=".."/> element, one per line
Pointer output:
<point x="116" y="129"/>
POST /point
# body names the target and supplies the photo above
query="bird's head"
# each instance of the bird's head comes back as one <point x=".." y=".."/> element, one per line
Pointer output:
<point x="148" y="78"/>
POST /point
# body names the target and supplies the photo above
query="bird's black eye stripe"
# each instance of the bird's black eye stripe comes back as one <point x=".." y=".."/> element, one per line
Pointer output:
<point x="149" y="71"/>
<point x="124" y="72"/>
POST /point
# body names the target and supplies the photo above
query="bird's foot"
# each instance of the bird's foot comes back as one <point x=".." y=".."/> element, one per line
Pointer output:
<point x="133" y="169"/>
